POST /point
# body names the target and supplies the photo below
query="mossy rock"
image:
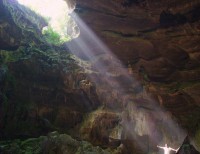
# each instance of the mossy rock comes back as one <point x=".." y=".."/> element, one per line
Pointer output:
<point x="54" y="143"/>
<point x="29" y="146"/>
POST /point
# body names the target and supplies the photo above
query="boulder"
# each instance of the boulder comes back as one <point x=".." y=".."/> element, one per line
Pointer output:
<point x="187" y="148"/>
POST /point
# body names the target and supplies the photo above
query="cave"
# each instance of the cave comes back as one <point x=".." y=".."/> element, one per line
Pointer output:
<point x="99" y="76"/>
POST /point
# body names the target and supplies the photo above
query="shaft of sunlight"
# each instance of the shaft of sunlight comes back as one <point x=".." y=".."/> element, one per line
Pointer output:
<point x="89" y="44"/>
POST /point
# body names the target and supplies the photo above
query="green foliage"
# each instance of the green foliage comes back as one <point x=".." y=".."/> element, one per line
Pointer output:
<point x="32" y="23"/>
<point x="51" y="36"/>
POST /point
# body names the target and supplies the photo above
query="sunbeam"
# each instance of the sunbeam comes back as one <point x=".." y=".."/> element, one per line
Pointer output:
<point x="99" y="76"/>
<point x="140" y="118"/>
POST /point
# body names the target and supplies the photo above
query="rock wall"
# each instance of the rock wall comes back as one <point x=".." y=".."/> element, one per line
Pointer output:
<point x="150" y="98"/>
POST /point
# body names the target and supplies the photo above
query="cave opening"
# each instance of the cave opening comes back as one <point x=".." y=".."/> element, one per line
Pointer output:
<point x="60" y="26"/>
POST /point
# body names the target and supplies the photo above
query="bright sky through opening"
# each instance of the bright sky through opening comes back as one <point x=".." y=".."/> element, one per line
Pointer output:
<point x="57" y="13"/>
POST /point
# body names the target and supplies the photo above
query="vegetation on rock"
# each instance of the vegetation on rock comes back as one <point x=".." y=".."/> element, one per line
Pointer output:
<point x="54" y="143"/>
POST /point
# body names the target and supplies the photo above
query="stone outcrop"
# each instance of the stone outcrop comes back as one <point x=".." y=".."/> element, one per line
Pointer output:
<point x="10" y="35"/>
<point x="54" y="143"/>
<point x="187" y="147"/>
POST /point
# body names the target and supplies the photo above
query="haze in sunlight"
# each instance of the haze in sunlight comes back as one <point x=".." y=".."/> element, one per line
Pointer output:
<point x="57" y="14"/>
<point x="136" y="120"/>
<point x="143" y="121"/>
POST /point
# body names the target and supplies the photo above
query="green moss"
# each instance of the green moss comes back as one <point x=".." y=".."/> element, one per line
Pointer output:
<point x="29" y="146"/>
<point x="54" y="143"/>
<point x="13" y="56"/>
<point x="87" y="148"/>
<point x="40" y="27"/>
<point x="53" y="37"/>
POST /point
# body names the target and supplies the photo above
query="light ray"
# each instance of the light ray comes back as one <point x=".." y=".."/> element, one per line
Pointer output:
<point x="169" y="130"/>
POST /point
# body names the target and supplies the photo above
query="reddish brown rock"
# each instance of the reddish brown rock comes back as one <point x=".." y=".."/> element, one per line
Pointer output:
<point x="161" y="60"/>
<point x="184" y="108"/>
<point x="193" y="92"/>
<point x="98" y="127"/>
<point x="157" y="69"/>
<point x="176" y="56"/>
<point x="191" y="75"/>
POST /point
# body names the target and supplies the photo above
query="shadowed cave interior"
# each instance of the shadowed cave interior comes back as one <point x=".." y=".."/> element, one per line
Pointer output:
<point x="99" y="76"/>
